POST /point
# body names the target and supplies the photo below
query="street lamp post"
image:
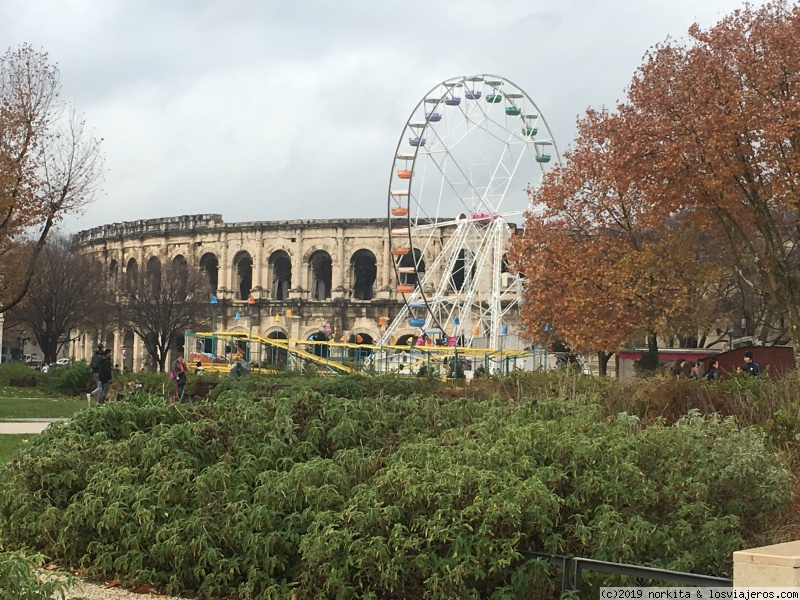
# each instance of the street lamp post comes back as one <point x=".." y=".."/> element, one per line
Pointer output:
<point x="213" y="341"/>
<point x="250" y="303"/>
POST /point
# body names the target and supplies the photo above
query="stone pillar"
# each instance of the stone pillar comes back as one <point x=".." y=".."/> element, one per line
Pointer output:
<point x="298" y="270"/>
<point x="258" y="267"/>
<point x="385" y="283"/>
<point x="339" y="267"/>
<point x="117" y="354"/>
<point x="136" y="355"/>
<point x="224" y="276"/>
<point x="768" y="566"/>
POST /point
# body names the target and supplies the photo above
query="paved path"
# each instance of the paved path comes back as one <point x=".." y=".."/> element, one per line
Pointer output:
<point x="25" y="425"/>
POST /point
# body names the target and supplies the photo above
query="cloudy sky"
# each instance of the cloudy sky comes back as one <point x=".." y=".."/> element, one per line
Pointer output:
<point x="286" y="109"/>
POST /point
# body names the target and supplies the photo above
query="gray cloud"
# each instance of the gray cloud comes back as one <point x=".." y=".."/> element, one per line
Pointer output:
<point x="293" y="109"/>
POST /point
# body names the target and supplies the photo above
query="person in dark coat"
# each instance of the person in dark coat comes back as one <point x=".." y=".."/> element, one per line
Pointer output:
<point x="713" y="370"/>
<point x="94" y="365"/>
<point x="104" y="374"/>
<point x="751" y="367"/>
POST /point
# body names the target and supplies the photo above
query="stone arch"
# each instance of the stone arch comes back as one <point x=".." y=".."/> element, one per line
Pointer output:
<point x="276" y="357"/>
<point x="320" y="271"/>
<point x="413" y="259"/>
<point x="405" y="339"/>
<point x="132" y="267"/>
<point x="128" y="340"/>
<point x="280" y="267"/>
<point x="109" y="343"/>
<point x="154" y="266"/>
<point x="209" y="266"/>
<point x="243" y="267"/>
<point x="360" y="338"/>
<point x="463" y="269"/>
<point x="363" y="273"/>
<point x="321" y="350"/>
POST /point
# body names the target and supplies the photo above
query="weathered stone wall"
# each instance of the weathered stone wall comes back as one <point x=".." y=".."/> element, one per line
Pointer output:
<point x="340" y="313"/>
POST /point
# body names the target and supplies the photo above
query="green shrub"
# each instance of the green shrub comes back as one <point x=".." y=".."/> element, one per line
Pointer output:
<point x="17" y="370"/>
<point x="70" y="380"/>
<point x="20" y="579"/>
<point x="311" y="494"/>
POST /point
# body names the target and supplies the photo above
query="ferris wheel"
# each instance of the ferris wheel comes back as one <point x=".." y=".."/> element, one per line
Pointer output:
<point x="468" y="152"/>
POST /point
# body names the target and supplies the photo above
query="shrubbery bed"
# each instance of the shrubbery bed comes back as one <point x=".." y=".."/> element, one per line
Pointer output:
<point x="342" y="490"/>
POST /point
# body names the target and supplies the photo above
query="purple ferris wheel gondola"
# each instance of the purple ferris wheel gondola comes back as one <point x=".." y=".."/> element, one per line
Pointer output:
<point x="473" y="95"/>
<point x="434" y="117"/>
<point x="416" y="141"/>
<point x="453" y="101"/>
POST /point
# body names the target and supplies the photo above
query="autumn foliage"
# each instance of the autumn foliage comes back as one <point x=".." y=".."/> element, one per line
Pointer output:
<point x="49" y="165"/>
<point x="703" y="154"/>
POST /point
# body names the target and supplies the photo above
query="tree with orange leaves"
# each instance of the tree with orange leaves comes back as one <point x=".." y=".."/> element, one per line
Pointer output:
<point x="602" y="264"/>
<point x="49" y="165"/>
<point x="707" y="141"/>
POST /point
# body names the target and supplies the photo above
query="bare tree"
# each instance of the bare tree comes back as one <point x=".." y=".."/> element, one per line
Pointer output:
<point x="160" y="303"/>
<point x="66" y="292"/>
<point x="49" y="165"/>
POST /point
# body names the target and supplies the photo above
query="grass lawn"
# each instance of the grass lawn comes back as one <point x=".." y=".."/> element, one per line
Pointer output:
<point x="6" y="391"/>
<point x="32" y="407"/>
<point x="9" y="444"/>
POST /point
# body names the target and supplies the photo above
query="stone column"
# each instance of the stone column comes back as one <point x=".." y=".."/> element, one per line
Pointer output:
<point x="768" y="566"/>
<point x="298" y="270"/>
<point x="339" y="267"/>
<point x="258" y="266"/>
<point x="385" y="283"/>
<point x="224" y="276"/>
<point x="136" y="355"/>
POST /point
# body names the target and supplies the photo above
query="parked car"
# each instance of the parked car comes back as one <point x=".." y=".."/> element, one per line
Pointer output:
<point x="62" y="361"/>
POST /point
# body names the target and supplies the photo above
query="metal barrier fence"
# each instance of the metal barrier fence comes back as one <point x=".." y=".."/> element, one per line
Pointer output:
<point x="572" y="568"/>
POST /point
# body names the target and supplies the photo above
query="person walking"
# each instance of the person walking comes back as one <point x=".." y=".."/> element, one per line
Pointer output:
<point x="104" y="375"/>
<point x="713" y="370"/>
<point x="677" y="369"/>
<point x="178" y="374"/>
<point x="751" y="367"/>
<point x="94" y="365"/>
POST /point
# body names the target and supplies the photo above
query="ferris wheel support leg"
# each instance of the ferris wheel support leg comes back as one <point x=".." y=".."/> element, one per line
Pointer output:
<point x="497" y="265"/>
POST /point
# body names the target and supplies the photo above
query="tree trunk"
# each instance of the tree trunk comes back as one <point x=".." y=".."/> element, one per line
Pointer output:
<point x="602" y="362"/>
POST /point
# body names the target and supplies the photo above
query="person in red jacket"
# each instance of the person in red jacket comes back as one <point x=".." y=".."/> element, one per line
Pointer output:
<point x="178" y="374"/>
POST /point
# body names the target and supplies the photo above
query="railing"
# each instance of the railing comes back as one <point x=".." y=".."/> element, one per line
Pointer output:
<point x="572" y="568"/>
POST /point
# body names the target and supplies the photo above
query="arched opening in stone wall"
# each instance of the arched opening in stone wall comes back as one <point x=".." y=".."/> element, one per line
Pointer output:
<point x="243" y="266"/>
<point x="109" y="342"/>
<point x="180" y="270"/>
<point x="131" y="272"/>
<point x="320" y="266"/>
<point x="127" y="352"/>
<point x="413" y="258"/>
<point x="275" y="356"/>
<point x="113" y="271"/>
<point x="154" y="273"/>
<point x="360" y="354"/>
<point x="363" y="271"/>
<point x="463" y="269"/>
<point x="321" y="350"/>
<point x="405" y="340"/>
<point x="281" y="269"/>
<point x="209" y="266"/>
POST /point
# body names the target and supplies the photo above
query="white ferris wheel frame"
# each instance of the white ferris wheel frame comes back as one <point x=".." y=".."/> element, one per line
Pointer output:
<point x="475" y="240"/>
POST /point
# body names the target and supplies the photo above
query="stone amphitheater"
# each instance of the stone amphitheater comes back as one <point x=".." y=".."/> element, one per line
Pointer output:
<point x="330" y="279"/>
